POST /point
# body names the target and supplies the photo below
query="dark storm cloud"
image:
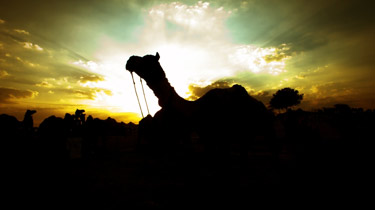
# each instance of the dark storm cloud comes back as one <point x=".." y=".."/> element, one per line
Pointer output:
<point x="9" y="95"/>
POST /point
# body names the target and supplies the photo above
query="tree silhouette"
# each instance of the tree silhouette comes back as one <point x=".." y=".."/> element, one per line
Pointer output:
<point x="284" y="98"/>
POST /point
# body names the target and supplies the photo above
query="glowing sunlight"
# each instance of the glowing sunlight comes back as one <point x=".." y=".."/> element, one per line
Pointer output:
<point x="195" y="48"/>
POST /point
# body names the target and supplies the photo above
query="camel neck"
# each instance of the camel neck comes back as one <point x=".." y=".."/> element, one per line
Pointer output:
<point x="166" y="94"/>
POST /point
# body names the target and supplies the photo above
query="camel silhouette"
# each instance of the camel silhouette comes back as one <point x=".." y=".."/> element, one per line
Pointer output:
<point x="219" y="118"/>
<point x="28" y="122"/>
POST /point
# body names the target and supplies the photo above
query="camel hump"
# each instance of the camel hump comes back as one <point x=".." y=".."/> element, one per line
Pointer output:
<point x="236" y="92"/>
<point x="237" y="86"/>
<point x="239" y="89"/>
<point x="242" y="91"/>
<point x="235" y="98"/>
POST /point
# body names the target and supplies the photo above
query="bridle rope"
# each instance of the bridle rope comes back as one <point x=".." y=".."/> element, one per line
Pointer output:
<point x="135" y="89"/>
<point x="144" y="95"/>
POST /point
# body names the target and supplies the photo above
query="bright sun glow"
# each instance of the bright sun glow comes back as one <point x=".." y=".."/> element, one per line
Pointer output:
<point x="195" y="48"/>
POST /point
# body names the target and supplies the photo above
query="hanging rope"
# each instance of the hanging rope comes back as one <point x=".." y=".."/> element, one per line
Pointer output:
<point x="144" y="95"/>
<point x="135" y="89"/>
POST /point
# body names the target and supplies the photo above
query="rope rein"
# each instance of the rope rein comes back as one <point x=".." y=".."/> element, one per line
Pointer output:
<point x="135" y="89"/>
<point x="144" y="95"/>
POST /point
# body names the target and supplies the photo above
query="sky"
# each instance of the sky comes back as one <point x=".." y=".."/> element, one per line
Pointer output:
<point x="57" y="56"/>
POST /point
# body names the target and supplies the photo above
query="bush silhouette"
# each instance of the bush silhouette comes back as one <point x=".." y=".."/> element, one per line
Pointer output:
<point x="284" y="98"/>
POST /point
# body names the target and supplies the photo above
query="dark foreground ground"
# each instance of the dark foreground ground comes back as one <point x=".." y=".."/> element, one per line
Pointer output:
<point x="95" y="164"/>
<point x="145" y="179"/>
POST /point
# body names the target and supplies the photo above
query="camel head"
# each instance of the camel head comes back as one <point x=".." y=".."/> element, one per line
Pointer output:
<point x="147" y="67"/>
<point x="30" y="112"/>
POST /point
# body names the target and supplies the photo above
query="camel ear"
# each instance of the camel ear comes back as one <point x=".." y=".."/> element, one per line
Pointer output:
<point x="157" y="56"/>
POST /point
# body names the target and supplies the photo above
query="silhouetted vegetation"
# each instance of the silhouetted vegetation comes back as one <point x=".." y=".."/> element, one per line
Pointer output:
<point x="284" y="98"/>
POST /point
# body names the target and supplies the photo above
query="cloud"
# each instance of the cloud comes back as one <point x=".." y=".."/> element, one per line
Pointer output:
<point x="259" y="60"/>
<point x="198" y="91"/>
<point x="327" y="94"/>
<point x="29" y="45"/>
<point x="279" y="54"/>
<point x="68" y="88"/>
<point x="10" y="95"/>
<point x="90" y="78"/>
<point x="21" y="31"/>
<point x="300" y="76"/>
<point x="331" y="89"/>
<point x="195" y="19"/>
<point x="200" y="28"/>
<point x="45" y="84"/>
<point x="90" y="65"/>
<point x="86" y="93"/>
<point x="3" y="74"/>
<point x="20" y="60"/>
<point x="9" y="35"/>
<point x="27" y="68"/>
<point x="263" y="96"/>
